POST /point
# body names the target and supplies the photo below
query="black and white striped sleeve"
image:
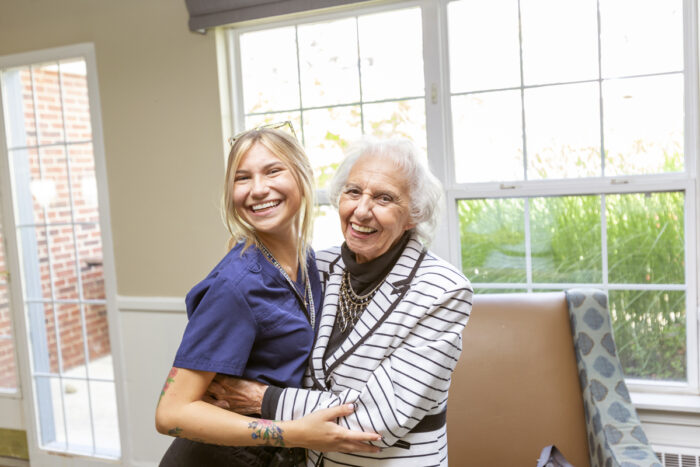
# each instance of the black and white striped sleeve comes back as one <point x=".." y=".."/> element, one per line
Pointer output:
<point x="407" y="385"/>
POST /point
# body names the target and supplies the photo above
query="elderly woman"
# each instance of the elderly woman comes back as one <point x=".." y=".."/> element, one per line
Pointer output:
<point x="392" y="318"/>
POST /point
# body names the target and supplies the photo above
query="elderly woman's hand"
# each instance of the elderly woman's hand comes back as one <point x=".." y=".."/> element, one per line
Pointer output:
<point x="238" y="395"/>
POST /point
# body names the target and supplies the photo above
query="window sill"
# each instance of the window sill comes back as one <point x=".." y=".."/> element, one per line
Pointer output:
<point x="666" y="402"/>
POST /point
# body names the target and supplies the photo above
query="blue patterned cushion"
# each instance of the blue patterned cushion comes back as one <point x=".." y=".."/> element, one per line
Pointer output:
<point x="615" y="435"/>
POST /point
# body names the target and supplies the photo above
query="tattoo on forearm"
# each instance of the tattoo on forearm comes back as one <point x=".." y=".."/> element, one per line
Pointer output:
<point x="175" y="432"/>
<point x="268" y="432"/>
<point x="168" y="380"/>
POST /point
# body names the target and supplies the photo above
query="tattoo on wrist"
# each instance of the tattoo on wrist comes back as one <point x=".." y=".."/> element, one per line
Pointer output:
<point x="168" y="380"/>
<point x="267" y="431"/>
<point x="175" y="432"/>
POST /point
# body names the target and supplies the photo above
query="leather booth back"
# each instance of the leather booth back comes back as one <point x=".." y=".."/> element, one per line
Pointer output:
<point x="515" y="389"/>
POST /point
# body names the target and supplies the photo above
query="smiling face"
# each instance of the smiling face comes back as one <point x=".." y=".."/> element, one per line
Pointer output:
<point x="374" y="207"/>
<point x="265" y="193"/>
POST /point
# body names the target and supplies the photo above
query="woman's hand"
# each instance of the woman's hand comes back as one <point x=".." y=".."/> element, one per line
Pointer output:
<point x="320" y="432"/>
<point x="239" y="395"/>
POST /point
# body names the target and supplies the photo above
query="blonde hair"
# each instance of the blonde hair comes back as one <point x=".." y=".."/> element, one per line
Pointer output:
<point x="290" y="152"/>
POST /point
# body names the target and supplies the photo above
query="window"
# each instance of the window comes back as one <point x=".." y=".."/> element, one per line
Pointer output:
<point x="564" y="134"/>
<point x="50" y="146"/>
<point x="601" y="106"/>
<point x="364" y="81"/>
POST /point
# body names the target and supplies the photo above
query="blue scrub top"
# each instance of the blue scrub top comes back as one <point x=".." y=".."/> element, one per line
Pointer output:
<point x="244" y="320"/>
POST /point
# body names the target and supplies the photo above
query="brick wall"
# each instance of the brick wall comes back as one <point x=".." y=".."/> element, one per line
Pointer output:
<point x="57" y="189"/>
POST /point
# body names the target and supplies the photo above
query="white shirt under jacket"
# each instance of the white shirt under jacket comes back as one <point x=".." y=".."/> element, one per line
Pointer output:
<point x="396" y="363"/>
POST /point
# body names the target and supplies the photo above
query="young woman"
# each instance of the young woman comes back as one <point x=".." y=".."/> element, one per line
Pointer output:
<point x="254" y="316"/>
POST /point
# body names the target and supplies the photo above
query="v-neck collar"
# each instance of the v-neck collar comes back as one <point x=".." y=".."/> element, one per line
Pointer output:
<point x="388" y="296"/>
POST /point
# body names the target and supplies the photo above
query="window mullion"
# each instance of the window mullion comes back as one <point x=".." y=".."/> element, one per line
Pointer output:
<point x="692" y="208"/>
<point x="236" y="83"/>
<point x="438" y="121"/>
<point x="692" y="309"/>
<point x="604" y="240"/>
<point x="570" y="187"/>
<point x="600" y="97"/>
<point x="528" y="244"/>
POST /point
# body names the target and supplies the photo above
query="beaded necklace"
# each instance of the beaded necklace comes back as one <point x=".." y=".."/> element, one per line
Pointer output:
<point x="351" y="304"/>
<point x="307" y="303"/>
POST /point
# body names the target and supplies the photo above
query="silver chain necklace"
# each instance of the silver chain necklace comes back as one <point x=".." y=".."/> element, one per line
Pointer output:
<point x="351" y="304"/>
<point x="308" y="302"/>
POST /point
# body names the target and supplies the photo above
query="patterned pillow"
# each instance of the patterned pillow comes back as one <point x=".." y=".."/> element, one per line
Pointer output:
<point x="615" y="434"/>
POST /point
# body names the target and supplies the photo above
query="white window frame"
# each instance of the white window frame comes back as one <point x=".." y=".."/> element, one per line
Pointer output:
<point x="441" y="157"/>
<point x="38" y="455"/>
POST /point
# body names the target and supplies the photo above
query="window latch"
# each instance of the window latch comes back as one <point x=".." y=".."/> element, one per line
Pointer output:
<point x="503" y="186"/>
<point x="618" y="181"/>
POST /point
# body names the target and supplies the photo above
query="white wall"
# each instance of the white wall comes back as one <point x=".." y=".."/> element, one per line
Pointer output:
<point x="149" y="347"/>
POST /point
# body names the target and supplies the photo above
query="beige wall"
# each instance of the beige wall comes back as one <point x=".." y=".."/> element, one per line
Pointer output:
<point x="162" y="129"/>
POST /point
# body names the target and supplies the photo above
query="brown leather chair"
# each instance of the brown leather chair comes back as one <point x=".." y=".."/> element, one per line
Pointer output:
<point x="540" y="369"/>
<point x="516" y="388"/>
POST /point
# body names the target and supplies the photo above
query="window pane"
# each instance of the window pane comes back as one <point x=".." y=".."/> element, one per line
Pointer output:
<point x="75" y="100"/>
<point x="100" y="361"/>
<point x="563" y="131"/>
<point x="566" y="244"/>
<point x="328" y="60"/>
<point x="49" y="111"/>
<point x="62" y="260"/>
<point x="645" y="238"/>
<point x="391" y="55"/>
<point x="650" y="333"/>
<point x="104" y="406"/>
<point x="269" y="70"/>
<point x="78" y="416"/>
<point x="401" y="119"/>
<point x="72" y="343"/>
<point x="53" y="433"/>
<point x="327" y="132"/>
<point x="560" y="40"/>
<point x="21" y="127"/>
<point x="89" y="241"/>
<point x="492" y="234"/>
<point x="643" y="120"/>
<point x="484" y="44"/>
<point x="488" y="137"/>
<point x="49" y="185"/>
<point x="641" y="36"/>
<point x="83" y="183"/>
<point x="253" y="121"/>
<point x="42" y="176"/>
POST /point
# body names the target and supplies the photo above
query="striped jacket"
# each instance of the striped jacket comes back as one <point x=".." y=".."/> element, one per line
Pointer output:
<point x="396" y="363"/>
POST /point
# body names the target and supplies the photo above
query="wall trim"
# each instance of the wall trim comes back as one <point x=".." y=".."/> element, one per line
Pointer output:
<point x="150" y="304"/>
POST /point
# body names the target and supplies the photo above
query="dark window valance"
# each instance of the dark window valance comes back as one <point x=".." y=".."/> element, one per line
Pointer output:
<point x="209" y="13"/>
